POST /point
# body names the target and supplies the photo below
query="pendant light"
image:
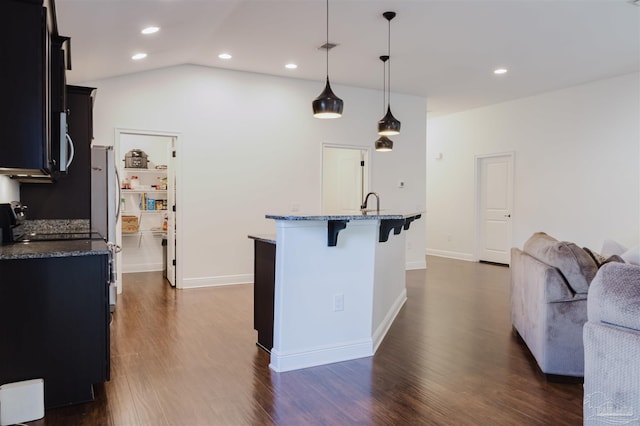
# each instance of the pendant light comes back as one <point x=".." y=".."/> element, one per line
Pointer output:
<point x="389" y="125"/>
<point x="327" y="105"/>
<point x="384" y="144"/>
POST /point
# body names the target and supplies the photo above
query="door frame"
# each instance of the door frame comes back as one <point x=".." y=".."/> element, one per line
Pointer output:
<point x="511" y="155"/>
<point x="178" y="195"/>
<point x="368" y="168"/>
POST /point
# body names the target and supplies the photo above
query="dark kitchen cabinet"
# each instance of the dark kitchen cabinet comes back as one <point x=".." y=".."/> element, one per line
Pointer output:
<point x="69" y="197"/>
<point x="23" y="38"/>
<point x="55" y="324"/>
<point x="263" y="291"/>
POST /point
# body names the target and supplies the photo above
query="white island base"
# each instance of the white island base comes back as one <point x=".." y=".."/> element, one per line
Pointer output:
<point x="334" y="303"/>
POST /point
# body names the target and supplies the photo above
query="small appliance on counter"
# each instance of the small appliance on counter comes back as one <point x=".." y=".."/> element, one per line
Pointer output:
<point x="135" y="159"/>
<point x="11" y="217"/>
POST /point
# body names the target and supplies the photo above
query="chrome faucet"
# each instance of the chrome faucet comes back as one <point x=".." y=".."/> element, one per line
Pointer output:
<point x="363" y="207"/>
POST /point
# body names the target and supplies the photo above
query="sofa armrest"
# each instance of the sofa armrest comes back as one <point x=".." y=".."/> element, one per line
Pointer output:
<point x="527" y="269"/>
<point x="614" y="296"/>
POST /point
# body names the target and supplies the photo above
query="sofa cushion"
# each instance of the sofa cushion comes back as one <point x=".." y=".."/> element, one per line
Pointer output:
<point x="615" y="296"/>
<point x="577" y="267"/>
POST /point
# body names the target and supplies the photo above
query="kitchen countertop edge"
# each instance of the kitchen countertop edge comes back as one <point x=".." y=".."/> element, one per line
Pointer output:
<point x="358" y="216"/>
<point x="267" y="238"/>
<point x="51" y="249"/>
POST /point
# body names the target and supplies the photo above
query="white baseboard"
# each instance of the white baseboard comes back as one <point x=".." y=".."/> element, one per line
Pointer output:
<point x="288" y="361"/>
<point x="410" y="266"/>
<point x="217" y="281"/>
<point x="451" y="254"/>
<point x="384" y="326"/>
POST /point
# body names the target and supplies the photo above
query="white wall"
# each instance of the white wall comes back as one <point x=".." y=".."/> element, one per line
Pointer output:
<point x="250" y="146"/>
<point x="9" y="190"/>
<point x="577" y="162"/>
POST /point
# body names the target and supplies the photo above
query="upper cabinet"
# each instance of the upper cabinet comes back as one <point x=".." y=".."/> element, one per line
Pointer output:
<point x="69" y="197"/>
<point x="32" y="116"/>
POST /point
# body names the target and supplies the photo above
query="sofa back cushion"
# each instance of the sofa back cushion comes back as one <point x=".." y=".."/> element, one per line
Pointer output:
<point x="577" y="267"/>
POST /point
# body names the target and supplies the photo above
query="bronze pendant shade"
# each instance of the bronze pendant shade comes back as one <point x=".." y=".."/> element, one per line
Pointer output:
<point x="384" y="144"/>
<point x="389" y="125"/>
<point x="327" y="105"/>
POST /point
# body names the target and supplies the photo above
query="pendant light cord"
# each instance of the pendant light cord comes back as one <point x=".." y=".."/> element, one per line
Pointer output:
<point x="327" y="45"/>
<point x="389" y="54"/>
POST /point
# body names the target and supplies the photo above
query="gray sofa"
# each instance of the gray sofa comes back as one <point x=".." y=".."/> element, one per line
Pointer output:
<point x="549" y="284"/>
<point x="612" y="347"/>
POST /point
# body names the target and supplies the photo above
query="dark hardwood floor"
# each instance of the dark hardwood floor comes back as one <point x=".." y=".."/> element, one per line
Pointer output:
<point x="189" y="358"/>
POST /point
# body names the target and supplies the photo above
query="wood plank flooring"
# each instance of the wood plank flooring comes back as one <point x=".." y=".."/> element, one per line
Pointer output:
<point x="189" y="358"/>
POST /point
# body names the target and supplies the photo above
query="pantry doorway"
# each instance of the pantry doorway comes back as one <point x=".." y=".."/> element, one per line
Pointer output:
<point x="148" y="166"/>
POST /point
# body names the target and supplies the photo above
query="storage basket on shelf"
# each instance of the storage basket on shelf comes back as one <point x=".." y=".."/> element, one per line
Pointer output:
<point x="130" y="224"/>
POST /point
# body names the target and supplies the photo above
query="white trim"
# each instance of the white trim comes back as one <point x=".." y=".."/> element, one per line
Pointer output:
<point x="410" y="266"/>
<point x="287" y="361"/>
<point x="220" y="280"/>
<point x="451" y="254"/>
<point x="383" y="328"/>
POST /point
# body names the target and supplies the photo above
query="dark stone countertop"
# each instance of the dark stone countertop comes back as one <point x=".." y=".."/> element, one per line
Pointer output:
<point x="355" y="215"/>
<point x="267" y="238"/>
<point x="45" y="249"/>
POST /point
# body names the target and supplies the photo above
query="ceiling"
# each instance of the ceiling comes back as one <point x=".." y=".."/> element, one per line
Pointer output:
<point x="444" y="50"/>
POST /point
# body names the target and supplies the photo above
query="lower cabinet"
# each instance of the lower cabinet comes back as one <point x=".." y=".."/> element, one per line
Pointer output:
<point x="263" y="292"/>
<point x="55" y="325"/>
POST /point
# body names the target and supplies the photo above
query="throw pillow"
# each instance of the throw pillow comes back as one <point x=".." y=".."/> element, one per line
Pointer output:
<point x="597" y="258"/>
<point x="632" y="255"/>
<point x="610" y="247"/>
<point x="613" y="258"/>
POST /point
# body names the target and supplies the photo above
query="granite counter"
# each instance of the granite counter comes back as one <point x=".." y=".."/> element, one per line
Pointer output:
<point x="46" y="249"/>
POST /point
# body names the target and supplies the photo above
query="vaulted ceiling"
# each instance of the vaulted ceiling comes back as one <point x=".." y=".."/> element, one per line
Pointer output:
<point x="445" y="50"/>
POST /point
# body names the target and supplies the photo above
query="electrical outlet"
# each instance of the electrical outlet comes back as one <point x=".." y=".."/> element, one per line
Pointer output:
<point x="338" y="302"/>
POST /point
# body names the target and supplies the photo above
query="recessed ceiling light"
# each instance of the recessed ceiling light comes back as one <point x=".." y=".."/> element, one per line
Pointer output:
<point x="224" y="56"/>
<point x="150" y="30"/>
<point x="139" y="56"/>
<point x="500" y="71"/>
<point x="291" y="66"/>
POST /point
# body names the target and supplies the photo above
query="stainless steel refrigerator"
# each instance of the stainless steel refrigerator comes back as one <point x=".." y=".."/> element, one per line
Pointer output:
<point x="105" y="205"/>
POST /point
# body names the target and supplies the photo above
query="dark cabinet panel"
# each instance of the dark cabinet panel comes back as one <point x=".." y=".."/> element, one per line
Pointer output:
<point x="55" y="316"/>
<point x="23" y="74"/>
<point x="69" y="197"/>
<point x="263" y="292"/>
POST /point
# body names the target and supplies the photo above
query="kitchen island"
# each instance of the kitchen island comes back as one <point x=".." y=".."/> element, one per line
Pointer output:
<point x="54" y="307"/>
<point x="339" y="284"/>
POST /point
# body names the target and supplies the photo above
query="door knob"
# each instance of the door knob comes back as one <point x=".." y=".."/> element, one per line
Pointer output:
<point x="507" y="215"/>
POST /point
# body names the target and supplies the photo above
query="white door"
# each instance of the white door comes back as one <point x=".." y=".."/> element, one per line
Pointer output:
<point x="495" y="201"/>
<point x="344" y="178"/>
<point x="171" y="222"/>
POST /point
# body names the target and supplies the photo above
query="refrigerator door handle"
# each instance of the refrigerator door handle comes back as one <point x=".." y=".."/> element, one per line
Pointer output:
<point x="119" y="200"/>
